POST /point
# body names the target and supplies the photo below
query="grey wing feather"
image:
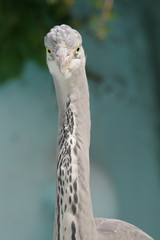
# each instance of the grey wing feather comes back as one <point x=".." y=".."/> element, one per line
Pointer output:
<point x="113" y="229"/>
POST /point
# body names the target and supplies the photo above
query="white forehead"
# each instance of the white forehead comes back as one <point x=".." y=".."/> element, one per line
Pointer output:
<point x="62" y="35"/>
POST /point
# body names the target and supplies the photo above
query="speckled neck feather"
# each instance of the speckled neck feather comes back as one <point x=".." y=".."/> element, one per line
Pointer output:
<point x="67" y="174"/>
<point x="73" y="202"/>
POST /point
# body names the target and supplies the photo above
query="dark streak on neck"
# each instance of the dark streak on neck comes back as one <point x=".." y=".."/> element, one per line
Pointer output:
<point x="64" y="162"/>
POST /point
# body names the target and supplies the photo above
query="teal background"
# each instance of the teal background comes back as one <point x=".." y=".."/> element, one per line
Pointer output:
<point x="123" y="74"/>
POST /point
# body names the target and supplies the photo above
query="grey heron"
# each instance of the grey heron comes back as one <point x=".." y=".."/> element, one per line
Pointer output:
<point x="73" y="211"/>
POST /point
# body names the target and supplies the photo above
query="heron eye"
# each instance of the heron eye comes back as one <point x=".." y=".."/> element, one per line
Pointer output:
<point x="49" y="51"/>
<point x="78" y="49"/>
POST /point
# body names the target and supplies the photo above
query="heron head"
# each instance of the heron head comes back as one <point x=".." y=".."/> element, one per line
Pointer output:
<point x="64" y="50"/>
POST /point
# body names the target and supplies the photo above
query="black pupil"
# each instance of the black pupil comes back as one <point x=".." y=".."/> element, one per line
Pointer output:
<point x="78" y="49"/>
<point x="49" y="51"/>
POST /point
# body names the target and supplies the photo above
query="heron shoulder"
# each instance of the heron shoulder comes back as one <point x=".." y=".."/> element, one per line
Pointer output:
<point x="114" y="229"/>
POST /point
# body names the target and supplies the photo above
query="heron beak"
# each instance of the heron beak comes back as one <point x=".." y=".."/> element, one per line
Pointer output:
<point x="63" y="59"/>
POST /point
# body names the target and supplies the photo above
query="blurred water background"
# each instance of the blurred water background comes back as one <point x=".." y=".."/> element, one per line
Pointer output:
<point x="121" y="41"/>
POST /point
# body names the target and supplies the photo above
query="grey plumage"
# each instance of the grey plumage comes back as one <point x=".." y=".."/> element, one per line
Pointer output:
<point x="114" y="229"/>
<point x="73" y="211"/>
<point x="63" y="34"/>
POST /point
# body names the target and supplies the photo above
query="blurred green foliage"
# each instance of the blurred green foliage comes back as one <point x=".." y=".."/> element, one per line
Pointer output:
<point x="98" y="21"/>
<point x="23" y="25"/>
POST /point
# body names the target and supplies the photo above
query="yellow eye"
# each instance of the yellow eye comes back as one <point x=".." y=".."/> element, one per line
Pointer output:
<point x="49" y="51"/>
<point x="77" y="49"/>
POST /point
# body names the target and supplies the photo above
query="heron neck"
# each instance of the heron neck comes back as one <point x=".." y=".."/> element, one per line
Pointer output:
<point x="74" y="216"/>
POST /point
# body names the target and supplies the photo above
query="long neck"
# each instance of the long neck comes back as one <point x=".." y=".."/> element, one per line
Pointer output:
<point x="73" y="216"/>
